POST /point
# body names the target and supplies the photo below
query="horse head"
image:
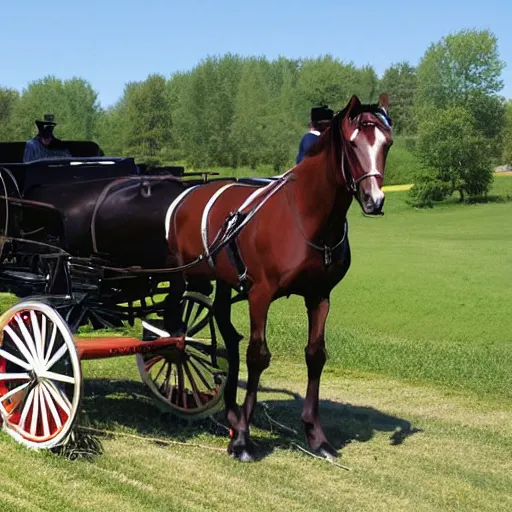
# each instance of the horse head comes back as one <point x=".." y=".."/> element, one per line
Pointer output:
<point x="366" y="135"/>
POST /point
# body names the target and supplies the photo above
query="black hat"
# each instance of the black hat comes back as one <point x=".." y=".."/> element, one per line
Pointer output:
<point x="323" y="113"/>
<point x="48" y="120"/>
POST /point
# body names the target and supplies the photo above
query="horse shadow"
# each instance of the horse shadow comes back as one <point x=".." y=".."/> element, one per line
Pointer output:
<point x="112" y="407"/>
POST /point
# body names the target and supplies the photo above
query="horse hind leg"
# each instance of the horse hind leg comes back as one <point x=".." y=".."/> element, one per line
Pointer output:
<point x="222" y="312"/>
<point x="173" y="322"/>
<point x="318" y="310"/>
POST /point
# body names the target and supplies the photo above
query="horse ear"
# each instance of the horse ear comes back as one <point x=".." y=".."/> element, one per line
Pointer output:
<point x="352" y="104"/>
<point x="384" y="101"/>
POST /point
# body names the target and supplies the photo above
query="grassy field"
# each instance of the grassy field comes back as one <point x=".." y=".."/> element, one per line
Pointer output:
<point x="416" y="392"/>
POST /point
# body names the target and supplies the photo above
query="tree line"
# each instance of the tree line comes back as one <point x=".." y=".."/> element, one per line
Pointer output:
<point x="232" y="111"/>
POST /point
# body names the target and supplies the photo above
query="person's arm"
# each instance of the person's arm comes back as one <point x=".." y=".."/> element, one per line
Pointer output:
<point x="300" y="155"/>
<point x="29" y="153"/>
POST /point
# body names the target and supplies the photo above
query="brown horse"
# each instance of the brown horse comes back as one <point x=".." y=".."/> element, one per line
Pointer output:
<point x="295" y="243"/>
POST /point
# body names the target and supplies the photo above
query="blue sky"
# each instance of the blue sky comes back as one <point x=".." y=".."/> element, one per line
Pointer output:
<point x="111" y="42"/>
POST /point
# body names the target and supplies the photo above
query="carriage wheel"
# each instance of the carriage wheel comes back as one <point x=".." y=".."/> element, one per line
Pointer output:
<point x="40" y="375"/>
<point x="190" y="382"/>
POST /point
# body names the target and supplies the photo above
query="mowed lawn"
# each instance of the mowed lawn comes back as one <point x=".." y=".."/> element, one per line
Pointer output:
<point x="416" y="391"/>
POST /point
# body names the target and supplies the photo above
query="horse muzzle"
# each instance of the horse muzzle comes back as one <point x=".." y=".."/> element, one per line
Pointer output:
<point x="372" y="205"/>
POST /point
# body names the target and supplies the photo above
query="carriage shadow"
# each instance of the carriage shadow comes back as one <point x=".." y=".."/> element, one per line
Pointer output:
<point x="125" y="406"/>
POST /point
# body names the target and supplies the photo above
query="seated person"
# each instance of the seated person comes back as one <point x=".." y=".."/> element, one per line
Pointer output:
<point x="45" y="145"/>
<point x="320" y="120"/>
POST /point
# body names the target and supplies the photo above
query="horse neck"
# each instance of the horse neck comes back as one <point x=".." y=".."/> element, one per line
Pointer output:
<point x="322" y="202"/>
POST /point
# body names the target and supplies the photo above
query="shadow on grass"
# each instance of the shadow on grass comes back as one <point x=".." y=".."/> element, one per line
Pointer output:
<point x="126" y="406"/>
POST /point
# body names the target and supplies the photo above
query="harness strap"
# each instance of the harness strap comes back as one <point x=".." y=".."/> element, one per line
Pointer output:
<point x="327" y="250"/>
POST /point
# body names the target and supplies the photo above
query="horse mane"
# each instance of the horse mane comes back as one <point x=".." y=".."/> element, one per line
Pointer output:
<point x="331" y="140"/>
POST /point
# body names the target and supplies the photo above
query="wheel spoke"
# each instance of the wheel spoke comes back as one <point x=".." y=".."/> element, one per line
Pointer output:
<point x="165" y="387"/>
<point x="44" y="412"/>
<point x="58" y="396"/>
<point x="21" y="347"/>
<point x="181" y="386"/>
<point x="58" y="377"/>
<point x="14" y="376"/>
<point x="151" y="362"/>
<point x="13" y="359"/>
<point x="200" y="309"/>
<point x="50" y="346"/>
<point x="26" y="408"/>
<point x="200" y="375"/>
<point x="13" y="392"/>
<point x="35" y="413"/>
<point x="43" y="338"/>
<point x="195" y="391"/>
<point x="160" y="371"/>
<point x="199" y="345"/>
<point x="57" y="356"/>
<point x="51" y="405"/>
<point x="188" y="312"/>
<point x="205" y="364"/>
<point x="29" y="341"/>
<point x="37" y="335"/>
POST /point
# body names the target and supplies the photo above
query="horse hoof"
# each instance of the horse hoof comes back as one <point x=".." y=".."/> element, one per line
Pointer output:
<point x="327" y="451"/>
<point x="245" y="456"/>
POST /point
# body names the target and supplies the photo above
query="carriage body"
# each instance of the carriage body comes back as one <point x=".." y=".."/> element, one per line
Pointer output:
<point x="65" y="225"/>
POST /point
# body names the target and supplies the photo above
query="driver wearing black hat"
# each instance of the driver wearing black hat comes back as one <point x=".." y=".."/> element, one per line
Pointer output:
<point x="45" y="145"/>
<point x="320" y="119"/>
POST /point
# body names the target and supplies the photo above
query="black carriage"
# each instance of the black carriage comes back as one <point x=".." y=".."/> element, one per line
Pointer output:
<point x="64" y="226"/>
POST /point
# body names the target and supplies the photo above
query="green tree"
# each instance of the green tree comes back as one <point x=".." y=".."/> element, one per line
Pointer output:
<point x="205" y="110"/>
<point x="507" y="135"/>
<point x="400" y="82"/>
<point x="326" y="80"/>
<point x="110" y="131"/>
<point x="459" y="76"/>
<point x="464" y="69"/>
<point x="74" y="103"/>
<point x="455" y="155"/>
<point x="146" y="119"/>
<point x="249" y="130"/>
<point x="8" y="100"/>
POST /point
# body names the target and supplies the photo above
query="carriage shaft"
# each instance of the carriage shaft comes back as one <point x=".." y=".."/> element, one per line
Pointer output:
<point x="101" y="348"/>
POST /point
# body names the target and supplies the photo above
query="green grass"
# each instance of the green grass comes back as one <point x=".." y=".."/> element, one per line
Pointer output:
<point x="419" y="336"/>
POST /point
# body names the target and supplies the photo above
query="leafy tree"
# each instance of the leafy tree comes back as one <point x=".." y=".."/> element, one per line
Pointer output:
<point x="110" y="132"/>
<point x="8" y="99"/>
<point x="455" y="153"/>
<point x="205" y="111"/>
<point x="146" y="119"/>
<point x="459" y="113"/>
<point x="367" y="84"/>
<point x="249" y="131"/>
<point x="400" y="82"/>
<point x="464" y="69"/>
<point x="326" y="81"/>
<point x="507" y="135"/>
<point x="74" y="103"/>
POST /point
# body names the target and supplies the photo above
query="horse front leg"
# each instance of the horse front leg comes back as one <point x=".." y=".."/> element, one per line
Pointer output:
<point x="258" y="359"/>
<point x="318" y="309"/>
